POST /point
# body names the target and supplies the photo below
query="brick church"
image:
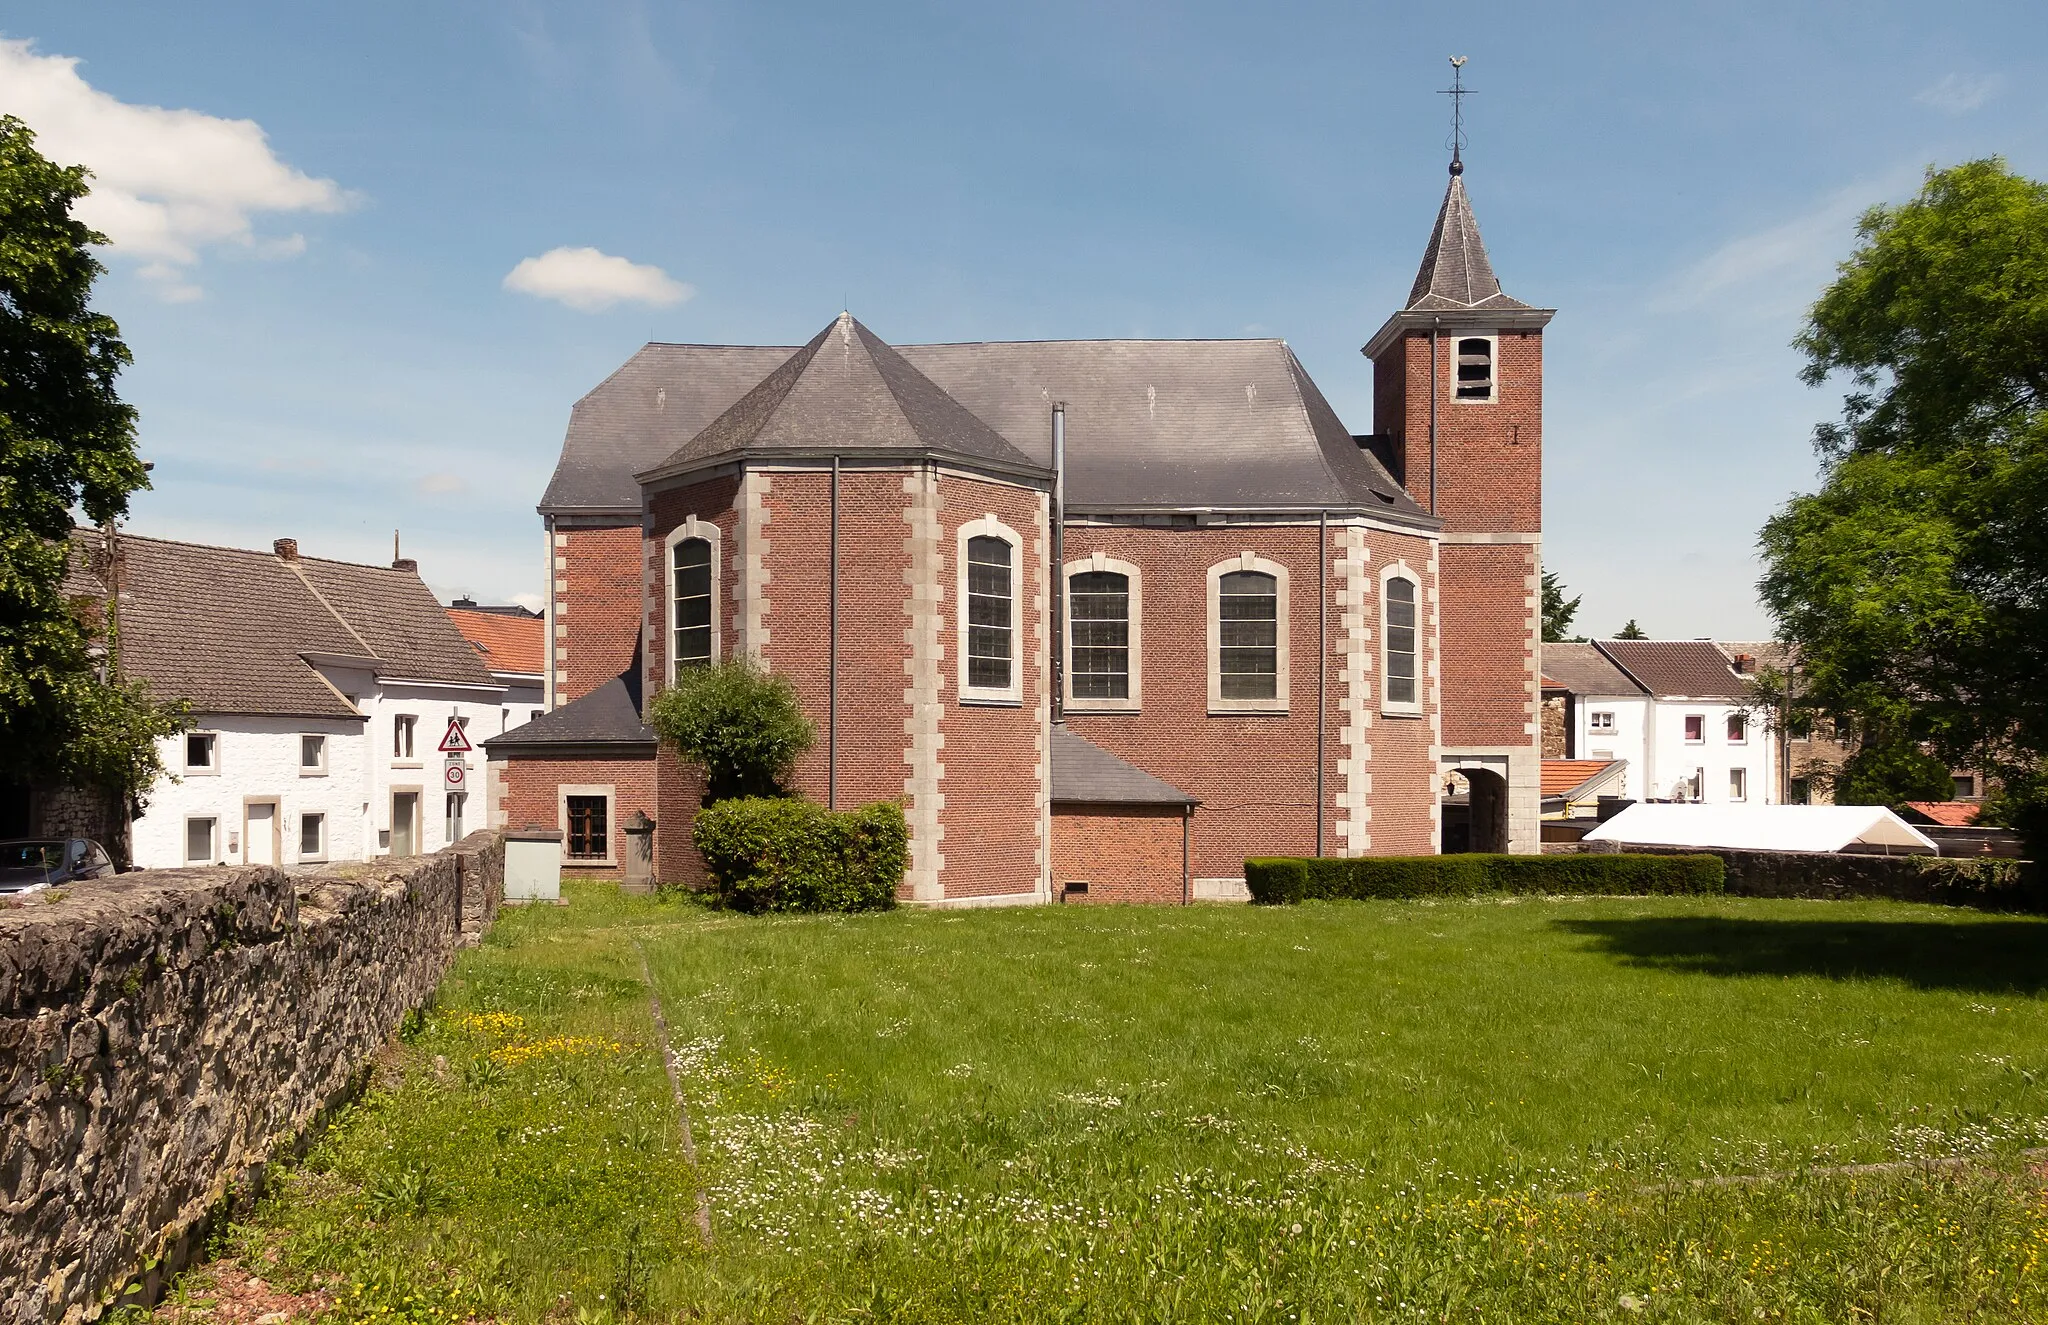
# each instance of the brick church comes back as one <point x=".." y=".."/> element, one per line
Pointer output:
<point x="1279" y="637"/>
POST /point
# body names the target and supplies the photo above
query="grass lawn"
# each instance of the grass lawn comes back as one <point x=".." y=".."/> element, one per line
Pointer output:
<point x="1469" y="1111"/>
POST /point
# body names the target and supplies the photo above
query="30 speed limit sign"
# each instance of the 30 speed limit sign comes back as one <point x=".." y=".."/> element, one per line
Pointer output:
<point x="456" y="776"/>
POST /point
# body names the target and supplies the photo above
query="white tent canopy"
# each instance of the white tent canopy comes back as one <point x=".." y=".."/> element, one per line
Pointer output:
<point x="1763" y="828"/>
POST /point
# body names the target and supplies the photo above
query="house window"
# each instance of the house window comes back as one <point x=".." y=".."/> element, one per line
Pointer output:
<point x="1799" y="791"/>
<point x="1398" y="626"/>
<point x="1475" y="368"/>
<point x="402" y="725"/>
<point x="1696" y="785"/>
<point x="1738" y="784"/>
<point x="1099" y="615"/>
<point x="1738" y="729"/>
<point x="1695" y="728"/>
<point x="693" y="603"/>
<point x="202" y="752"/>
<point x="1601" y="721"/>
<point x="312" y="754"/>
<point x="312" y="837"/>
<point x="1966" y="786"/>
<point x="1248" y="629"/>
<point x="202" y="837"/>
<point x="589" y="827"/>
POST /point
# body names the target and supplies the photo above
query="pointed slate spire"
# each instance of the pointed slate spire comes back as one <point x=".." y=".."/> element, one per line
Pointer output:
<point x="1455" y="272"/>
<point x="848" y="392"/>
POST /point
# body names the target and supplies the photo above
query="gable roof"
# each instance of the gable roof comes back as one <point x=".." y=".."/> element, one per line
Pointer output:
<point x="608" y="715"/>
<point x="1083" y="773"/>
<point x="1150" y="426"/>
<point x="1575" y="779"/>
<point x="1455" y="271"/>
<point x="1944" y="814"/>
<point x="1583" y="670"/>
<point x="1679" y="669"/>
<point x="506" y="643"/>
<point x="847" y="393"/>
<point x="224" y="628"/>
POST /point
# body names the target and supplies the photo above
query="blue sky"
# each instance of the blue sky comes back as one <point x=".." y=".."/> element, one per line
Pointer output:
<point x="326" y="348"/>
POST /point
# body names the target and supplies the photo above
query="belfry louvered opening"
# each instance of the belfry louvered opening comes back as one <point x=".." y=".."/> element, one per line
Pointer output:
<point x="1475" y="368"/>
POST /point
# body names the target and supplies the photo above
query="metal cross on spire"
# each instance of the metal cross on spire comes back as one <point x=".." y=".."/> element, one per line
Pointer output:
<point x="1457" y="92"/>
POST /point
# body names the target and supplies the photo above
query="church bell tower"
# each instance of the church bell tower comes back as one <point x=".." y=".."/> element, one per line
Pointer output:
<point x="1458" y="404"/>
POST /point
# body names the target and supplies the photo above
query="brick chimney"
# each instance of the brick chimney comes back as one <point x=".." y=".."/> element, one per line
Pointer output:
<point x="405" y="564"/>
<point x="287" y="549"/>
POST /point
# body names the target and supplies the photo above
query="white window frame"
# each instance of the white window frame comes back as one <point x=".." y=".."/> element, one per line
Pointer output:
<point x="988" y="526"/>
<point x="213" y="854"/>
<point x="691" y="527"/>
<point x="1400" y="570"/>
<point x="1594" y="723"/>
<point x="1281" y="636"/>
<point x="1687" y="718"/>
<point x="314" y="770"/>
<point x="410" y="724"/>
<point x="1743" y="718"/>
<point x="1738" y="785"/>
<point x="320" y="852"/>
<point x="1136" y="580"/>
<point x="1492" y="339"/>
<point x="212" y="739"/>
<point x="609" y="791"/>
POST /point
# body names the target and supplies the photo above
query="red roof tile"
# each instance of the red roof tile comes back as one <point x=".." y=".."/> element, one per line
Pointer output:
<point x="1949" y="814"/>
<point x="1564" y="775"/>
<point x="505" y="643"/>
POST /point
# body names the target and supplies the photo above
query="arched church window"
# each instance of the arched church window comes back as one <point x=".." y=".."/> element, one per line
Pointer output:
<point x="1475" y="368"/>
<point x="1248" y="642"/>
<point x="1398" y="636"/>
<point x="692" y="609"/>
<point x="989" y="614"/>
<point x="1099" y="614"/>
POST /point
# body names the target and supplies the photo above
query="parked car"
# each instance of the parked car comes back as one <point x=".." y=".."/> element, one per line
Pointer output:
<point x="32" y="864"/>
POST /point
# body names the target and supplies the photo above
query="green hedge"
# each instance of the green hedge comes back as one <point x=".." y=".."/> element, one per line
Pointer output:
<point x="790" y="855"/>
<point x="1276" y="880"/>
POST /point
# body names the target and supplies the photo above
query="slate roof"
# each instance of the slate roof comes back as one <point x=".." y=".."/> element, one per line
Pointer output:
<point x="1151" y="425"/>
<point x="1583" y="670"/>
<point x="505" y="643"/>
<point x="224" y="628"/>
<point x="608" y="715"/>
<point x="1687" y="669"/>
<point x="1083" y="773"/>
<point x="1455" y="271"/>
<point x="847" y="393"/>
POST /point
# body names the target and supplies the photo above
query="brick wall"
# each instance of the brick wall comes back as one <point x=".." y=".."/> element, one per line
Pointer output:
<point x="1489" y="460"/>
<point x="1489" y="647"/>
<point x="532" y="799"/>
<point x="596" y="608"/>
<point x="1125" y="853"/>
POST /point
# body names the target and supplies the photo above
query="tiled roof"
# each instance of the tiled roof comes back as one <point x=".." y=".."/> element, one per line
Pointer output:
<point x="223" y="628"/>
<point x="505" y="643"/>
<point x="1583" y="670"/>
<point x="1151" y="425"/>
<point x="608" y="715"/>
<point x="1948" y="814"/>
<point x="1455" y="272"/>
<point x="1681" y="669"/>
<point x="1083" y="773"/>
<point x="1575" y="778"/>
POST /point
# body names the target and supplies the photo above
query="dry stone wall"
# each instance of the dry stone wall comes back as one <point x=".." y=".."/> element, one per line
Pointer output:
<point x="163" y="1033"/>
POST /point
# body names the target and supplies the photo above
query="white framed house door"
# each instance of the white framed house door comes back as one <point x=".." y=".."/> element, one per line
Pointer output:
<point x="259" y="833"/>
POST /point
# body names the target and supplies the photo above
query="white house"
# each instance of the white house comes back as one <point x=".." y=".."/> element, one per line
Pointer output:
<point x="321" y="694"/>
<point x="1673" y="711"/>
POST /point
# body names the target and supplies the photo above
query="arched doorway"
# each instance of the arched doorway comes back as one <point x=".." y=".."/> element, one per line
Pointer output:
<point x="1475" y="811"/>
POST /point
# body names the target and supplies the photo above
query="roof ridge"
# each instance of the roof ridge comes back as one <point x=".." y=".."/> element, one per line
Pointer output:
<point x="321" y="599"/>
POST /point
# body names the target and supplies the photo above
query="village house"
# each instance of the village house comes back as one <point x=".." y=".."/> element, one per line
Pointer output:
<point x="320" y="693"/>
<point x="1661" y="720"/>
<point x="1279" y="636"/>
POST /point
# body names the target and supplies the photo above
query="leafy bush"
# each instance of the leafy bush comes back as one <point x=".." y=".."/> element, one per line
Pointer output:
<point x="742" y="725"/>
<point x="1276" y="880"/>
<point x="769" y="854"/>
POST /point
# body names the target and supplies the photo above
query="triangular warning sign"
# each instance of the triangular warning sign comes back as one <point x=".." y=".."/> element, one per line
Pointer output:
<point x="456" y="742"/>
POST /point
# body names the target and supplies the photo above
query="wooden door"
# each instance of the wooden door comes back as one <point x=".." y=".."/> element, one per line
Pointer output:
<point x="259" y="833"/>
<point x="405" y="823"/>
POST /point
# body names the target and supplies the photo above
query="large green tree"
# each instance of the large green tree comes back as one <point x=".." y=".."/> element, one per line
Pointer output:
<point x="1915" y="581"/>
<point x="67" y="447"/>
<point x="1558" y="610"/>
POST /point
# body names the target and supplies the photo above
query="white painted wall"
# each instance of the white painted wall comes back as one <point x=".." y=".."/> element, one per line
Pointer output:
<point x="258" y="759"/>
<point x="1650" y="735"/>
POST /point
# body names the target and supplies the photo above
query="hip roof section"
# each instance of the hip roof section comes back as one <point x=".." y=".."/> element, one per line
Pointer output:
<point x="1227" y="425"/>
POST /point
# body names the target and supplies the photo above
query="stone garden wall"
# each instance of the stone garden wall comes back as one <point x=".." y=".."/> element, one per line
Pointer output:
<point x="1998" y="885"/>
<point x="163" y="1033"/>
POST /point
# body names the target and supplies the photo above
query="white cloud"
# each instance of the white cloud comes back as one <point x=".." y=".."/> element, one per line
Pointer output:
<point x="1959" y="94"/>
<point x="590" y="281"/>
<point x="166" y="183"/>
